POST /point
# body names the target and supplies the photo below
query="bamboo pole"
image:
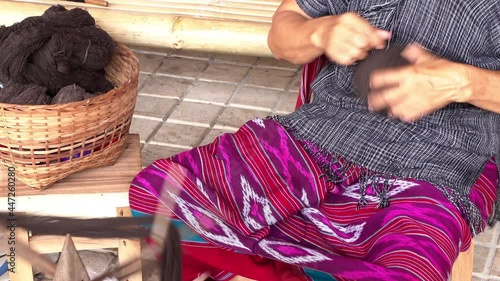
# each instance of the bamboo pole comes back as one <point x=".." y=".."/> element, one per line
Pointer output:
<point x="252" y="2"/>
<point x="163" y="30"/>
<point x="225" y="10"/>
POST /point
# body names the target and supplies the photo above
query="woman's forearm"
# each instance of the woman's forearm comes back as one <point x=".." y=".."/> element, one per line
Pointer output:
<point x="290" y="37"/>
<point x="485" y="89"/>
<point x="344" y="38"/>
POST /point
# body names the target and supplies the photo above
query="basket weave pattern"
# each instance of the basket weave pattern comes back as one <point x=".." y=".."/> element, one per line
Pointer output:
<point x="46" y="143"/>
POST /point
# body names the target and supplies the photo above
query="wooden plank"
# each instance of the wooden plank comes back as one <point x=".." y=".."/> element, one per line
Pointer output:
<point x="128" y="249"/>
<point x="95" y="205"/>
<point x="37" y="260"/>
<point x="462" y="268"/>
<point x="108" y="179"/>
<point x="22" y="269"/>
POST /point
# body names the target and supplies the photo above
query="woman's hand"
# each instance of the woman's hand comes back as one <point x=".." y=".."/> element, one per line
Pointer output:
<point x="428" y="84"/>
<point x="202" y="277"/>
<point x="348" y="38"/>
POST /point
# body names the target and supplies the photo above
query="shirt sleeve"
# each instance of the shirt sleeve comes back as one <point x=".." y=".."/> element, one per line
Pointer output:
<point x="315" y="8"/>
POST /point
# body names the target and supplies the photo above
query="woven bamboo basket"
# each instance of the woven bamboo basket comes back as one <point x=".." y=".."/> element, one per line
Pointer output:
<point x="46" y="143"/>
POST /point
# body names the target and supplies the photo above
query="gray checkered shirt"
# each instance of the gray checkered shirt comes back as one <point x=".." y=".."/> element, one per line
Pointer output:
<point x="448" y="148"/>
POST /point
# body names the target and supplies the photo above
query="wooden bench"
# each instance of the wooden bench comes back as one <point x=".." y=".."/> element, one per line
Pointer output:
<point x="99" y="192"/>
<point x="462" y="269"/>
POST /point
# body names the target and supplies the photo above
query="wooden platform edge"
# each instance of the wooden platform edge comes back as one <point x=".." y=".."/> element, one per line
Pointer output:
<point x="108" y="179"/>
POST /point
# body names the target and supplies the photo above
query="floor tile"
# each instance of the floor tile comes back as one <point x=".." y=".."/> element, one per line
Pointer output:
<point x="495" y="269"/>
<point x="485" y="237"/>
<point x="286" y="103"/>
<point x="480" y="256"/>
<point x="497" y="233"/>
<point x="179" y="134"/>
<point x="295" y="86"/>
<point x="162" y="51"/>
<point x="257" y="98"/>
<point x="271" y="78"/>
<point x="263" y="62"/>
<point x="191" y="54"/>
<point x="143" y="78"/>
<point x="182" y="67"/>
<point x="197" y="114"/>
<point x="214" y="133"/>
<point x="149" y="63"/>
<point x="210" y="92"/>
<point x="166" y="86"/>
<point x="143" y="127"/>
<point x="153" y="152"/>
<point x="153" y="106"/>
<point x="224" y="73"/>
<point x="246" y="60"/>
<point x="233" y="118"/>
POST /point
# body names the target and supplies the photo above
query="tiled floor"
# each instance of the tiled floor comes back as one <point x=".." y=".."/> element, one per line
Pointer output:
<point x="187" y="99"/>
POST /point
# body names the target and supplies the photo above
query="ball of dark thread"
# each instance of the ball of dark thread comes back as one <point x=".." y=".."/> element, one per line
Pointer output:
<point x="71" y="93"/>
<point x="379" y="59"/>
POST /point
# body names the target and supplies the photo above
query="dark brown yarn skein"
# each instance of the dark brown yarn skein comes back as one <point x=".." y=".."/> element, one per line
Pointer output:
<point x="61" y="47"/>
<point x="379" y="59"/>
<point x="24" y="94"/>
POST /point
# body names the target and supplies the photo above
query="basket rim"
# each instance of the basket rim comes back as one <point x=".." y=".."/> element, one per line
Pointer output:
<point x="120" y="47"/>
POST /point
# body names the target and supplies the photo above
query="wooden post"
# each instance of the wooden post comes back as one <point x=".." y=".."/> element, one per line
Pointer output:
<point x="21" y="269"/>
<point x="462" y="268"/>
<point x="128" y="249"/>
